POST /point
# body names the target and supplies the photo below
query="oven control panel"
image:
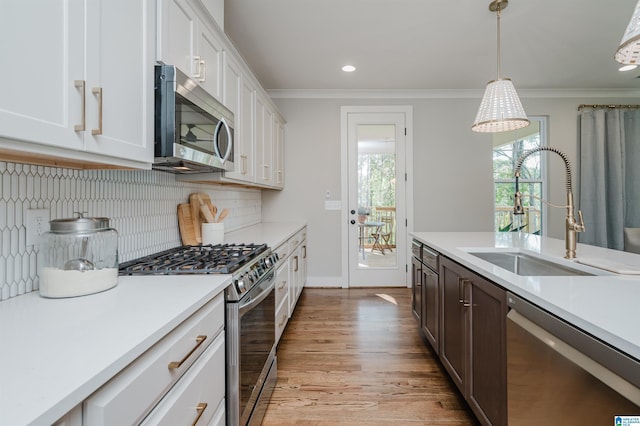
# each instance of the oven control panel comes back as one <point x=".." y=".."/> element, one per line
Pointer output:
<point x="252" y="274"/>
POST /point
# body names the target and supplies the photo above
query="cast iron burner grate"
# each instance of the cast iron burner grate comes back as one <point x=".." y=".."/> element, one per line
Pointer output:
<point x="208" y="259"/>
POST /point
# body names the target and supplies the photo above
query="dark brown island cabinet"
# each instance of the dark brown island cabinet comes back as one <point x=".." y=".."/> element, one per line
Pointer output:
<point x="463" y="316"/>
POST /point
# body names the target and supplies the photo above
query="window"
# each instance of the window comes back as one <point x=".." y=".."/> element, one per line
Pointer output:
<point x="507" y="148"/>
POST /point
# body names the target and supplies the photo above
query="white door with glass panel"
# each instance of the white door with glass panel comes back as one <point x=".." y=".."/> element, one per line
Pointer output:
<point x="376" y="200"/>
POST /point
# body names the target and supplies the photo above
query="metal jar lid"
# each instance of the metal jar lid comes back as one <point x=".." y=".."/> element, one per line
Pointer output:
<point x="79" y="224"/>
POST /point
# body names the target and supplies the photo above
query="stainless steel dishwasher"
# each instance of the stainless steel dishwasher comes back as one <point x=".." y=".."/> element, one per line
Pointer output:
<point x="558" y="374"/>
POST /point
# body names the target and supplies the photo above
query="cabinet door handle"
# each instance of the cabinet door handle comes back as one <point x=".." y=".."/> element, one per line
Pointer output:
<point x="177" y="364"/>
<point x="295" y="259"/>
<point x="304" y="251"/>
<point x="196" y="73"/>
<point x="265" y="171"/>
<point x="200" y="409"/>
<point x="282" y="285"/>
<point x="81" y="85"/>
<point x="97" y="91"/>
<point x="243" y="164"/>
<point x="461" y="283"/>
<point x="202" y="70"/>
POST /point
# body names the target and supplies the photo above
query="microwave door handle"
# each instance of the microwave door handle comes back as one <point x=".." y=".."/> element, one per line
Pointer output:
<point x="216" y="143"/>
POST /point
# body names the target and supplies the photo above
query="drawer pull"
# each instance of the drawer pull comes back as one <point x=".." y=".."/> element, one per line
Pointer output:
<point x="200" y="409"/>
<point x="177" y="364"/>
<point x="283" y="285"/>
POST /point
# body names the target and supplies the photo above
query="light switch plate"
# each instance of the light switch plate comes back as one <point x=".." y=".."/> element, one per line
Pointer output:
<point x="37" y="223"/>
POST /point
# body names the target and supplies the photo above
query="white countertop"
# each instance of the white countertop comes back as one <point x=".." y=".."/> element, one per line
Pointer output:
<point x="54" y="353"/>
<point x="605" y="306"/>
<point x="272" y="233"/>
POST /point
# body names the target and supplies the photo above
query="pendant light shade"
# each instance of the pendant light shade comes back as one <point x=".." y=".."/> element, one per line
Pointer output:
<point x="500" y="109"/>
<point x="629" y="51"/>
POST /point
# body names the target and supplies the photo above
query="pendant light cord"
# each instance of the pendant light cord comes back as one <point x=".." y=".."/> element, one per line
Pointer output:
<point x="498" y="20"/>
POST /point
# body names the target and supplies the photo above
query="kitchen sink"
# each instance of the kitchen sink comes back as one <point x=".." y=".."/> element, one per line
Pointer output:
<point x="527" y="265"/>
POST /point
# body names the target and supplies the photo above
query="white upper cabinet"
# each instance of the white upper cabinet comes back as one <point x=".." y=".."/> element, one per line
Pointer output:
<point x="187" y="42"/>
<point x="190" y="37"/>
<point x="78" y="81"/>
<point x="239" y="96"/>
<point x="119" y="89"/>
<point x="38" y="99"/>
<point x="278" y="154"/>
<point x="264" y="142"/>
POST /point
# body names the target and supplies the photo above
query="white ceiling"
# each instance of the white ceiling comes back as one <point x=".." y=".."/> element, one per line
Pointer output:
<point x="430" y="45"/>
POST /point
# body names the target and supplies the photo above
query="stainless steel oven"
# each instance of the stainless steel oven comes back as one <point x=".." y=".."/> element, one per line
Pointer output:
<point x="250" y="328"/>
<point x="251" y="354"/>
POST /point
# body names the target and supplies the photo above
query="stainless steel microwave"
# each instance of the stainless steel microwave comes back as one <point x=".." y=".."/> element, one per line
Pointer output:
<point x="193" y="131"/>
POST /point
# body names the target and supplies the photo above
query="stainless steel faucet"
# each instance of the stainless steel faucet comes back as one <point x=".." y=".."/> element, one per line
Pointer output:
<point x="571" y="225"/>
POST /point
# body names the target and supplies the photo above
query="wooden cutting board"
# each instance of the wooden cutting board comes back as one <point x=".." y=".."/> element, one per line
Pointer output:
<point x="186" y="225"/>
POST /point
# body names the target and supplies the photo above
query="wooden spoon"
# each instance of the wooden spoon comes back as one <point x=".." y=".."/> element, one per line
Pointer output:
<point x="223" y="214"/>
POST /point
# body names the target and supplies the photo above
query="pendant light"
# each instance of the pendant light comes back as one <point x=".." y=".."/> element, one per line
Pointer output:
<point x="629" y="51"/>
<point x="500" y="109"/>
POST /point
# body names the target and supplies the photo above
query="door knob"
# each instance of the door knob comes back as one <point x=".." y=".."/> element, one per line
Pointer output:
<point x="353" y="212"/>
<point x="353" y="222"/>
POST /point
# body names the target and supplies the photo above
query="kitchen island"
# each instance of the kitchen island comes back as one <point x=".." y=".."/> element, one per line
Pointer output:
<point x="523" y="333"/>
<point x="604" y="305"/>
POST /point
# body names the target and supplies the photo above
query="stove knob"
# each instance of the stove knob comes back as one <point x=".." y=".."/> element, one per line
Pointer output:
<point x="268" y="262"/>
<point x="240" y="285"/>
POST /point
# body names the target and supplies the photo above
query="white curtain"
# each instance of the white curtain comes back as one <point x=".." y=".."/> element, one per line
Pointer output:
<point x="609" y="174"/>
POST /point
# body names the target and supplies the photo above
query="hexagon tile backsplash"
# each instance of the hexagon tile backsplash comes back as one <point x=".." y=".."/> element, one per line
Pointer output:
<point x="141" y="204"/>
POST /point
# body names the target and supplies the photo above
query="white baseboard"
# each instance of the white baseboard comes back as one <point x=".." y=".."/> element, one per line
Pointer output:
<point x="332" y="282"/>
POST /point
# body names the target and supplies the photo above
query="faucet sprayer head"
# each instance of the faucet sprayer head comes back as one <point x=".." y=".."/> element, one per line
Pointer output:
<point x="517" y="204"/>
<point x="517" y="197"/>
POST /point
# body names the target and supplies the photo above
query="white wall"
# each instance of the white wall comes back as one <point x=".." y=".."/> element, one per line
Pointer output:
<point x="452" y="167"/>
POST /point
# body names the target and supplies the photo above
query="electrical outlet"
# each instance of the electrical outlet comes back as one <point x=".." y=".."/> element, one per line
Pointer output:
<point x="37" y="224"/>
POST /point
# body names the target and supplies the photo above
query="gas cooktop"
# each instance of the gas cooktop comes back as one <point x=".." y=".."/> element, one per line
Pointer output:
<point x="207" y="259"/>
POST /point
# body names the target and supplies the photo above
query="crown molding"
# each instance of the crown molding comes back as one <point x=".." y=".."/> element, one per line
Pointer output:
<point x="447" y="94"/>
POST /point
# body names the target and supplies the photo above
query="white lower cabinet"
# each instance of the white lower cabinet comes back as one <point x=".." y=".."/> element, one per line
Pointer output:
<point x="194" y="399"/>
<point x="290" y="277"/>
<point x="186" y="365"/>
<point x="297" y="267"/>
<point x="220" y="416"/>
<point x="282" y="298"/>
<point x="72" y="418"/>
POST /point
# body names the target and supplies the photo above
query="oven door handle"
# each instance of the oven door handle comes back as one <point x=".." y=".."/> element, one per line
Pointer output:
<point x="256" y="300"/>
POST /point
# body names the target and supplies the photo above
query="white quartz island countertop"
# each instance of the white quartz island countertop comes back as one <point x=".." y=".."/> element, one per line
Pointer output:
<point x="605" y="305"/>
<point x="54" y="353"/>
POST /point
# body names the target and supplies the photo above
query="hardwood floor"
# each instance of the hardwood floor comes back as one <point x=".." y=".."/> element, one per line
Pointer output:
<point x="354" y="357"/>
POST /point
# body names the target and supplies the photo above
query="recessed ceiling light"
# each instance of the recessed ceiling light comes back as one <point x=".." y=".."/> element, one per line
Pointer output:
<point x="627" y="67"/>
<point x="348" y="68"/>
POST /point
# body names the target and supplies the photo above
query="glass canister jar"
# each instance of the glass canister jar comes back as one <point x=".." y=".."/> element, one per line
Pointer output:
<point x="79" y="256"/>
